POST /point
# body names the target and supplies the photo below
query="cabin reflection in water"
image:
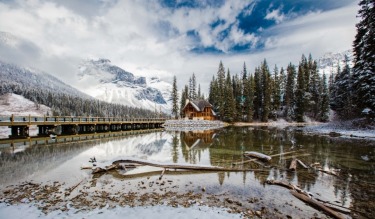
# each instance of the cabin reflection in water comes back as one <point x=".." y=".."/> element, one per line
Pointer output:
<point x="198" y="138"/>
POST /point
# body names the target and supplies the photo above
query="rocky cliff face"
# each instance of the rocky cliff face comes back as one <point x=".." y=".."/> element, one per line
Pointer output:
<point x="105" y="81"/>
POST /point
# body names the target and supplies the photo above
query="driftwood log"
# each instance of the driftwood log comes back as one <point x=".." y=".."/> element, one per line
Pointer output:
<point x="119" y="164"/>
<point x="293" y="165"/>
<point x="274" y="155"/>
<point x="305" y="197"/>
<point x="302" y="164"/>
<point x="257" y="155"/>
<point x="317" y="205"/>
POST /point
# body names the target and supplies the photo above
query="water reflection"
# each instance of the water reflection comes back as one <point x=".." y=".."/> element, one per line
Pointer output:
<point x="221" y="147"/>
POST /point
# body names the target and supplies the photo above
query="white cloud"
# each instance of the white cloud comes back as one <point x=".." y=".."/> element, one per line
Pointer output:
<point x="276" y="15"/>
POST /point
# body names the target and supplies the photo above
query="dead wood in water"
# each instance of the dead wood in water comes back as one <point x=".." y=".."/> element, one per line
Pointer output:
<point x="162" y="173"/>
<point x="120" y="163"/>
<point x="274" y="155"/>
<point x="257" y="155"/>
<point x="293" y="165"/>
<point x="302" y="164"/>
<point x="304" y="196"/>
<point x="317" y="205"/>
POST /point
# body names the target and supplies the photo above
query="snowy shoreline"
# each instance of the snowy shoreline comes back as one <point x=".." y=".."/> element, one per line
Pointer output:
<point x="164" y="211"/>
<point x="337" y="129"/>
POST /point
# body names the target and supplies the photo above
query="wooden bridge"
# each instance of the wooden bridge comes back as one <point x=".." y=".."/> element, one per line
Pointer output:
<point x="67" y="125"/>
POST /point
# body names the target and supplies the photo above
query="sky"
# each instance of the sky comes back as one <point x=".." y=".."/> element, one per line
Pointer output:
<point x="167" y="38"/>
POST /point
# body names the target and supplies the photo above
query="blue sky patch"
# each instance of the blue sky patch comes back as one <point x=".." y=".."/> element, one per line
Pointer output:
<point x="256" y="17"/>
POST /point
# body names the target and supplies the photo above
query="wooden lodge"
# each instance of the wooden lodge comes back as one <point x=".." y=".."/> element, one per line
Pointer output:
<point x="198" y="110"/>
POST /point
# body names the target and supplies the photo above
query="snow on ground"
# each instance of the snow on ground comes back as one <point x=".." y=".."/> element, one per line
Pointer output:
<point x="160" y="211"/>
<point x="345" y="129"/>
<point x="340" y="128"/>
<point x="20" y="106"/>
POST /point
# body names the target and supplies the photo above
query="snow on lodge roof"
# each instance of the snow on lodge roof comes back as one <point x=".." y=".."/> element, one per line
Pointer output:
<point x="199" y="105"/>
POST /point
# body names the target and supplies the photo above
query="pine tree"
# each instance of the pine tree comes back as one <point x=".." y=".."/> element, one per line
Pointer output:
<point x="221" y="89"/>
<point x="314" y="89"/>
<point x="213" y="93"/>
<point x="289" y="91"/>
<point x="199" y="95"/>
<point x="282" y="81"/>
<point x="324" y="103"/>
<point x="184" y="97"/>
<point x="249" y="103"/>
<point x="300" y="95"/>
<point x="238" y="97"/>
<point x="245" y="93"/>
<point x="364" y="53"/>
<point x="341" y="99"/>
<point x="174" y="98"/>
<point x="192" y="87"/>
<point x="229" y="110"/>
<point x="258" y="93"/>
<point x="267" y="87"/>
<point x="276" y="92"/>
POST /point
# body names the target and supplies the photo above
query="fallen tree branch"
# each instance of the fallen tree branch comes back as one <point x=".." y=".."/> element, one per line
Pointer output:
<point x="74" y="187"/>
<point x="339" y="206"/>
<point x="304" y="196"/>
<point x="257" y="155"/>
<point x="119" y="163"/>
<point x="293" y="165"/>
<point x="302" y="164"/>
<point x="162" y="173"/>
<point x="327" y="172"/>
<point x="274" y="155"/>
<point x="317" y="205"/>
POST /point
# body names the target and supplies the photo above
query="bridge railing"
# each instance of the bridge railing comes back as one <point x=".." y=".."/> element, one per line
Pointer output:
<point x="14" y="119"/>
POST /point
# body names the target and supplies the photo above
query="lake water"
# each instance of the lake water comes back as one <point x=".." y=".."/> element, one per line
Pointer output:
<point x="352" y="159"/>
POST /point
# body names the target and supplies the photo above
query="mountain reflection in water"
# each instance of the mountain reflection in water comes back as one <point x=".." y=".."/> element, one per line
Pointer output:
<point x="222" y="147"/>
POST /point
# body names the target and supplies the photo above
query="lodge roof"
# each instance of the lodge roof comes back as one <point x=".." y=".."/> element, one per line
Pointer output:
<point x="199" y="105"/>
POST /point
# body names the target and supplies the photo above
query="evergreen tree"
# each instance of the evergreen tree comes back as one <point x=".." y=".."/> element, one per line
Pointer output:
<point x="364" y="53"/>
<point x="249" y="103"/>
<point x="213" y="93"/>
<point x="221" y="89"/>
<point x="324" y="103"/>
<point x="289" y="91"/>
<point x="245" y="93"/>
<point x="199" y="95"/>
<point x="314" y="89"/>
<point x="174" y="98"/>
<point x="341" y="99"/>
<point x="276" y="92"/>
<point x="282" y="81"/>
<point x="184" y="97"/>
<point x="300" y="94"/>
<point x="192" y="87"/>
<point x="267" y="87"/>
<point x="258" y="94"/>
<point x="229" y="110"/>
<point x="238" y="97"/>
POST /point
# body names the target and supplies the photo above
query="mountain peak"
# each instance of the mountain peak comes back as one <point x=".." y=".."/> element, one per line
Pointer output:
<point x="329" y="62"/>
<point x="106" y="81"/>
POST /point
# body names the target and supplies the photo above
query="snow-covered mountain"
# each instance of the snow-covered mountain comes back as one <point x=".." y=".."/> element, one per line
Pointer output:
<point x="11" y="75"/>
<point x="101" y="79"/>
<point x="8" y="39"/>
<point x="328" y="62"/>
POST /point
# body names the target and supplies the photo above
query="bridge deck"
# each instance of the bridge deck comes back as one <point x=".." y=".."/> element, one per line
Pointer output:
<point x="68" y="120"/>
